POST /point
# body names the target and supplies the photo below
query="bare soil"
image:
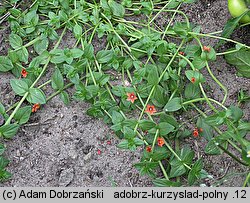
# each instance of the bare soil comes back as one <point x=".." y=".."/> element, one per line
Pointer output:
<point x="59" y="146"/>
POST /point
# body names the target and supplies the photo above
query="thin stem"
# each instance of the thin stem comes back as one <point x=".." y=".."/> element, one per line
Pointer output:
<point x="218" y="82"/>
<point x="163" y="170"/>
<point x="247" y="180"/>
<point x="174" y="153"/>
<point x="217" y="37"/>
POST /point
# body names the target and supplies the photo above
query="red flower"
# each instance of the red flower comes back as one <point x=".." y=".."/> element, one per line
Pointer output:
<point x="195" y="132"/>
<point x="24" y="73"/>
<point x="201" y="130"/>
<point x="109" y="142"/>
<point x="207" y="49"/>
<point x="193" y="80"/>
<point x="182" y="53"/>
<point x="149" y="149"/>
<point x="35" y="107"/>
<point x="160" y="141"/>
<point x="99" y="152"/>
<point x="150" y="109"/>
<point x="131" y="97"/>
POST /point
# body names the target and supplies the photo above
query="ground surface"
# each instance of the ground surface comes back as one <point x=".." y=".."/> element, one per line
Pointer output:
<point x="58" y="147"/>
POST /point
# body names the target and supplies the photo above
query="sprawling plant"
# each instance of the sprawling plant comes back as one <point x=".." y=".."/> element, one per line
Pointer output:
<point x="160" y="78"/>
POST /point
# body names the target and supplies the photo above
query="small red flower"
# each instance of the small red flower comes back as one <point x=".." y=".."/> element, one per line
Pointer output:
<point x="201" y="130"/>
<point x="195" y="132"/>
<point x="35" y="107"/>
<point x="207" y="49"/>
<point x="99" y="152"/>
<point x="160" y="141"/>
<point x="182" y="53"/>
<point x="193" y="80"/>
<point x="149" y="149"/>
<point x="150" y="109"/>
<point x="131" y="97"/>
<point x="109" y="142"/>
<point x="24" y="73"/>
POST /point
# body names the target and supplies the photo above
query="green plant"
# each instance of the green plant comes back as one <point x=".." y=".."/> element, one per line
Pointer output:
<point x="168" y="82"/>
<point x="239" y="7"/>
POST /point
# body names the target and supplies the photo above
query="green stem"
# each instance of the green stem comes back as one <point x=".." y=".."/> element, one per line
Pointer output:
<point x="218" y="82"/>
<point x="176" y="155"/>
<point x="216" y="37"/>
<point x="34" y="83"/>
<point x="163" y="170"/>
<point x="247" y="180"/>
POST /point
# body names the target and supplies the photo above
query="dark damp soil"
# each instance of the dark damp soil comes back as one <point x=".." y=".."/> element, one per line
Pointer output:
<point x="59" y="145"/>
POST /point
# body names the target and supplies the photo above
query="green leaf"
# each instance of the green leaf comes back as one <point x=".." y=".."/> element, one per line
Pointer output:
<point x="153" y="75"/>
<point x="6" y="64"/>
<point x="2" y="149"/>
<point x="160" y="153"/>
<point x="8" y="131"/>
<point x="192" y="91"/>
<point x="138" y="142"/>
<point x="117" y="117"/>
<point x="123" y="144"/>
<point x="36" y="96"/>
<point x="165" y="183"/>
<point x="165" y="128"/>
<point x="228" y="29"/>
<point x="195" y="172"/>
<point x="116" y="8"/>
<point x="207" y="131"/>
<point x="57" y="56"/>
<point x="41" y="45"/>
<point x="146" y="124"/>
<point x="198" y="63"/>
<point x="77" y="30"/>
<point x="22" y="115"/>
<point x="147" y="168"/>
<point x="15" y="41"/>
<point x="20" y="87"/>
<point x="216" y="119"/>
<point x="212" y="148"/>
<point x="3" y="162"/>
<point x="177" y="168"/>
<point x="23" y="55"/>
<point x="65" y="97"/>
<point x="195" y="74"/>
<point x="57" y="81"/>
<point x="169" y="119"/>
<point x="104" y="56"/>
<point x="128" y="133"/>
<point x="5" y="175"/>
<point x="235" y="113"/>
<point x="159" y="97"/>
<point x="241" y="60"/>
<point x="173" y="105"/>
<point x="76" y="53"/>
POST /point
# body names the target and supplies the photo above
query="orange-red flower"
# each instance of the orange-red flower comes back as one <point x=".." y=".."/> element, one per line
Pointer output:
<point x="182" y="53"/>
<point x="201" y="130"/>
<point x="195" y="132"/>
<point x="24" y="73"/>
<point x="207" y="49"/>
<point x="160" y="141"/>
<point x="193" y="80"/>
<point x="131" y="97"/>
<point x="150" y="109"/>
<point x="35" y="107"/>
<point x="148" y="148"/>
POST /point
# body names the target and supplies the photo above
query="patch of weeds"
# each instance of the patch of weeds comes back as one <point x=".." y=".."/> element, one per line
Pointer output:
<point x="151" y="67"/>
